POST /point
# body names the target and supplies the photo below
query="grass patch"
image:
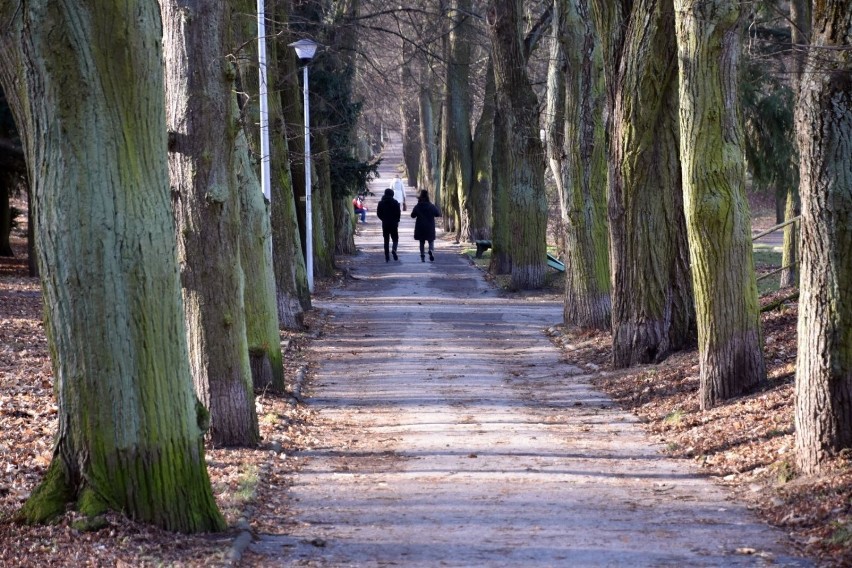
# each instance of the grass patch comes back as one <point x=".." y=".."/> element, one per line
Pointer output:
<point x="767" y="259"/>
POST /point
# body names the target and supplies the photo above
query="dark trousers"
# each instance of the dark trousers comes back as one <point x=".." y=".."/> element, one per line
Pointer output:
<point x="390" y="233"/>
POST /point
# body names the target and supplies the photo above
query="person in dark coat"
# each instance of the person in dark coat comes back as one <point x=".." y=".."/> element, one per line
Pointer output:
<point x="424" y="214"/>
<point x="388" y="212"/>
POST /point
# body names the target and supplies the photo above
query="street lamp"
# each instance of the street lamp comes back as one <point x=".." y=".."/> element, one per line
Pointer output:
<point x="305" y="50"/>
<point x="265" y="177"/>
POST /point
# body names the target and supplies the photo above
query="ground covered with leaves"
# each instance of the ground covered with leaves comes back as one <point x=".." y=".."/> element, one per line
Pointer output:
<point x="745" y="444"/>
<point x="249" y="484"/>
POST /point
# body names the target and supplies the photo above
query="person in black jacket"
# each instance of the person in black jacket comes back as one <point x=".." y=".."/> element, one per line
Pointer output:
<point x="424" y="225"/>
<point x="388" y="212"/>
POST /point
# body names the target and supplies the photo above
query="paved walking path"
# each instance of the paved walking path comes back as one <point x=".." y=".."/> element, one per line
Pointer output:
<point x="455" y="434"/>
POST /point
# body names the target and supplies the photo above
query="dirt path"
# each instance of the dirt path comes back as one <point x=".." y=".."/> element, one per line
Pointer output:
<point x="454" y="434"/>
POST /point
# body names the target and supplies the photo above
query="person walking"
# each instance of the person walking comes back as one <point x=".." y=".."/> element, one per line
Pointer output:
<point x="424" y="214"/>
<point x="399" y="191"/>
<point x="388" y="211"/>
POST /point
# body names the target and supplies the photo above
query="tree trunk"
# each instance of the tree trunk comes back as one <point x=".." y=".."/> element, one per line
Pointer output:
<point x="344" y="227"/>
<point x="264" y="341"/>
<point x="129" y="435"/>
<point x="824" y="125"/>
<point x="522" y="168"/>
<point x="800" y="31"/>
<point x="479" y="203"/>
<point x="323" y="210"/>
<point x="652" y="311"/>
<point x="576" y="146"/>
<point x="202" y="167"/>
<point x="717" y="216"/>
<point x="291" y="280"/>
<point x="428" y="147"/>
<point x="294" y="127"/>
<point x="458" y="156"/>
<point x="409" y="114"/>
<point x="501" y="236"/>
<point x="5" y="217"/>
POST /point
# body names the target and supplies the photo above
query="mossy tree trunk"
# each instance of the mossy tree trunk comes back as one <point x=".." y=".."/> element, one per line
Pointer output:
<point x="203" y="127"/>
<point x="483" y="148"/>
<point x="522" y="168"/>
<point x="652" y="308"/>
<point x="717" y="216"/>
<point x="129" y="436"/>
<point x="291" y="281"/>
<point x="576" y="152"/>
<point x="800" y="31"/>
<point x="824" y="132"/>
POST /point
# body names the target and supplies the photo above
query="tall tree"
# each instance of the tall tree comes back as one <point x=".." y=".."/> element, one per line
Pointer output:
<point x="409" y="115"/>
<point x="457" y="155"/>
<point x="717" y="216"/>
<point x="652" y="310"/>
<point x="576" y="152"/>
<point x="130" y="433"/>
<point x="202" y="125"/>
<point x="824" y="124"/>
<point x="521" y="170"/>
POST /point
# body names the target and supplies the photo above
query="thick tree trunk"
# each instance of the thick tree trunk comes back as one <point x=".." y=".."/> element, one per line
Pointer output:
<point x="652" y="311"/>
<point x="202" y="166"/>
<point x="479" y="203"/>
<point x="264" y="341"/>
<point x="576" y="147"/>
<point x="800" y="32"/>
<point x="717" y="216"/>
<point x="522" y="168"/>
<point x="344" y="228"/>
<point x="291" y="281"/>
<point x="129" y="435"/>
<point x="824" y="124"/>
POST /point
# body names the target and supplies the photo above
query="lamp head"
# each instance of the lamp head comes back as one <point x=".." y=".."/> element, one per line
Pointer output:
<point x="305" y="49"/>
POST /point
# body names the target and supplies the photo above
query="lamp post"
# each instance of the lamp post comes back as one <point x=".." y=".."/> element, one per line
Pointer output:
<point x="305" y="50"/>
<point x="265" y="177"/>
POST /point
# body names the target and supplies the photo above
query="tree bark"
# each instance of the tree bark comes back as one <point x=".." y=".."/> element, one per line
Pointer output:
<point x="717" y="216"/>
<point x="203" y="125"/>
<point x="522" y="168"/>
<point x="575" y="141"/>
<point x="129" y="434"/>
<point x="429" y="163"/>
<point x="501" y="236"/>
<point x="824" y="132"/>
